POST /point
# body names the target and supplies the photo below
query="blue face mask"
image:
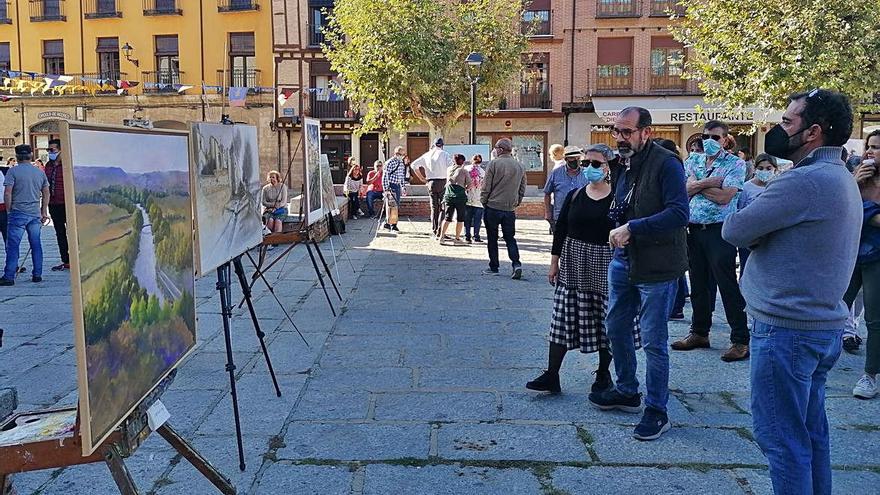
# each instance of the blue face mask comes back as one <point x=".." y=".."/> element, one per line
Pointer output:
<point x="765" y="175"/>
<point x="593" y="174"/>
<point x="711" y="147"/>
<point x="53" y="156"/>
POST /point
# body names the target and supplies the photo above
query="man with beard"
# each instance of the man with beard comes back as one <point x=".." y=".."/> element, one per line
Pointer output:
<point x="650" y="210"/>
<point x="562" y="181"/>
<point x="803" y="232"/>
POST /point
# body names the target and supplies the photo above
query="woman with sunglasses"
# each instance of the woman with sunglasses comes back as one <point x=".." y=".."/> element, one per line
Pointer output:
<point x="579" y="271"/>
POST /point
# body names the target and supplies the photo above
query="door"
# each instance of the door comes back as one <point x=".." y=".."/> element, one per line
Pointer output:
<point x="369" y="151"/>
<point x="417" y="144"/>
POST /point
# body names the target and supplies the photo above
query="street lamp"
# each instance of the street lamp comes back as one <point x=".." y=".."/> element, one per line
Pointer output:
<point x="475" y="65"/>
<point x="126" y="50"/>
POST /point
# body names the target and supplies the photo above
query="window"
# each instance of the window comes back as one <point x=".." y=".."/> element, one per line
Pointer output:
<point x="242" y="59"/>
<point x="4" y="13"/>
<point x="617" y="8"/>
<point x="108" y="58"/>
<point x="535" y="81"/>
<point x="614" y="67"/>
<point x="667" y="63"/>
<point x="53" y="56"/>
<point x="536" y="20"/>
<point x="167" y="60"/>
<point x="317" y="21"/>
<point x="52" y="9"/>
<point x="5" y="60"/>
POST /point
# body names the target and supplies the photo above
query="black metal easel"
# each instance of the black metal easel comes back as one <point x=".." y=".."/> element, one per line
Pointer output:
<point x="224" y="286"/>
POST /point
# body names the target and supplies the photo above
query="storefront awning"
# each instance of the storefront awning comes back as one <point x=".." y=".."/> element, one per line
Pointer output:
<point x="679" y="110"/>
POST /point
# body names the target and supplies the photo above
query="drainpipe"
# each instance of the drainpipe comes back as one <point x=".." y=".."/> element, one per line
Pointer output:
<point x="571" y="68"/>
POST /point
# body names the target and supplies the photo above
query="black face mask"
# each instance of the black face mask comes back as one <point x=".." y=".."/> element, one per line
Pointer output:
<point x="778" y="143"/>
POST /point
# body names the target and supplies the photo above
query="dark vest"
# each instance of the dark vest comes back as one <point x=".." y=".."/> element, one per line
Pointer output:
<point x="657" y="257"/>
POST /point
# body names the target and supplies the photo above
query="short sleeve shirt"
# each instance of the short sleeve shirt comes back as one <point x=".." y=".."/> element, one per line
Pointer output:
<point x="27" y="182"/>
<point x="732" y="168"/>
<point x="559" y="184"/>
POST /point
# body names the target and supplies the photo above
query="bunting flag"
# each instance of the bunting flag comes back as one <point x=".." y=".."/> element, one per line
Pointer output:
<point x="284" y="95"/>
<point x="237" y="96"/>
<point x="181" y="88"/>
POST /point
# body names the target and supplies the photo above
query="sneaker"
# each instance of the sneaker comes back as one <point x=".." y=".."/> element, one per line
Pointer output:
<point x="737" y="352"/>
<point x="547" y="382"/>
<point x="852" y="343"/>
<point x="603" y="381"/>
<point x="61" y="267"/>
<point x="517" y="273"/>
<point x="36" y="279"/>
<point x="394" y="228"/>
<point x="653" y="424"/>
<point x="610" y="400"/>
<point x="386" y="226"/>
<point x="478" y="239"/>
<point x="6" y="282"/>
<point x="691" y="342"/>
<point x="677" y="316"/>
<point x="468" y="240"/>
<point x="489" y="271"/>
<point x="866" y="388"/>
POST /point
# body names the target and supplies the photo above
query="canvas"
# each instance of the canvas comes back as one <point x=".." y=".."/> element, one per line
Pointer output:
<point x="328" y="194"/>
<point x="129" y="216"/>
<point x="226" y="185"/>
<point x="312" y="140"/>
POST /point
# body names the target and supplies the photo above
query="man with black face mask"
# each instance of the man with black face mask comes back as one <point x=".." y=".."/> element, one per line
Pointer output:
<point x="650" y="210"/>
<point x="562" y="181"/>
<point x="803" y="232"/>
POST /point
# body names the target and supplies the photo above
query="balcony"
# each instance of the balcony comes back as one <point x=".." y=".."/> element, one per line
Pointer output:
<point x="249" y="78"/>
<point x="101" y="9"/>
<point x="89" y="80"/>
<point x="537" y="23"/>
<point x="316" y="35"/>
<point x="618" y="8"/>
<point x="166" y="78"/>
<point x="625" y="80"/>
<point x="517" y="99"/>
<point x="4" y="12"/>
<point x="237" y="5"/>
<point x="663" y="8"/>
<point x="162" y="7"/>
<point x="326" y="109"/>
<point x="47" y="10"/>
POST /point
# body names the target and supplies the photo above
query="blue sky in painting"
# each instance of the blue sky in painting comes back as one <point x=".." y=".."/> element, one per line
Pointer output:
<point x="135" y="153"/>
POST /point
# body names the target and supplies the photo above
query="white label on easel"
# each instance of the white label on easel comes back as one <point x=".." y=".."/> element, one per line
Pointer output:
<point x="157" y="415"/>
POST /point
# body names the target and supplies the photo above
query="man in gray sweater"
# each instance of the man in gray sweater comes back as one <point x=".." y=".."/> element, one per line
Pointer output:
<point x="803" y="231"/>
<point x="503" y="189"/>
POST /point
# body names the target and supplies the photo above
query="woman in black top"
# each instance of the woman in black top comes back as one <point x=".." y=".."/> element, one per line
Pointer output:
<point x="579" y="270"/>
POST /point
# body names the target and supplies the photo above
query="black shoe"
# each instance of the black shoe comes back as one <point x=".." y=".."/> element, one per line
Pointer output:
<point x="653" y="424"/>
<point x="547" y="382"/>
<point x="478" y="239"/>
<point x="6" y="282"/>
<point x="394" y="228"/>
<point x="489" y="271"/>
<point x="610" y="400"/>
<point x="517" y="273"/>
<point x="852" y="343"/>
<point x="677" y="316"/>
<point x="36" y="278"/>
<point x="386" y="226"/>
<point x="603" y="381"/>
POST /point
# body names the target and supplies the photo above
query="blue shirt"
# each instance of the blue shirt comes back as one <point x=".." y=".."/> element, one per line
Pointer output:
<point x="732" y="168"/>
<point x="560" y="183"/>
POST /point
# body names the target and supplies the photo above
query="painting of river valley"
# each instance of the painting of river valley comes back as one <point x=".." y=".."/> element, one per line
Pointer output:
<point x="132" y="267"/>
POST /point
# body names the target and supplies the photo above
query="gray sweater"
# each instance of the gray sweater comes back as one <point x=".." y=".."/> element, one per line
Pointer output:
<point x="803" y="231"/>
<point x="504" y="185"/>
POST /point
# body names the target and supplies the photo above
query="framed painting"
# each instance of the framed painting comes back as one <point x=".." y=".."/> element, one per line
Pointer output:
<point x="225" y="174"/>
<point x="328" y="194"/>
<point x="129" y="216"/>
<point x="312" y="147"/>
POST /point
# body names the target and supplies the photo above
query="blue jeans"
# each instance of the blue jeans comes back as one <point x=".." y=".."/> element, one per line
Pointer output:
<point x="651" y="302"/>
<point x="372" y="196"/>
<point x="18" y="223"/>
<point x="473" y="218"/>
<point x="789" y="369"/>
<point x="507" y="221"/>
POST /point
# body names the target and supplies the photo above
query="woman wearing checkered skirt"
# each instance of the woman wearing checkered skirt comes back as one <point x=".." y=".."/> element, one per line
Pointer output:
<point x="579" y="270"/>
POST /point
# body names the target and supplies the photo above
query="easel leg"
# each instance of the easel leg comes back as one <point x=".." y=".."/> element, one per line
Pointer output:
<point x="320" y="277"/>
<point x="119" y="472"/>
<point x="225" y="288"/>
<point x="327" y="269"/>
<point x="183" y="448"/>
<point x="4" y="489"/>
<point x="246" y="290"/>
<point x="259" y="274"/>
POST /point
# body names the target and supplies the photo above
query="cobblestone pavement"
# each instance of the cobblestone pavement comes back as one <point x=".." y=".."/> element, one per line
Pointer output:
<point x="417" y="387"/>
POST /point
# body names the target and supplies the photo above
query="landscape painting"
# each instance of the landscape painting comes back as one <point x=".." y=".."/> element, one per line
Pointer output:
<point x="226" y="180"/>
<point x="130" y="217"/>
<point x="312" y="140"/>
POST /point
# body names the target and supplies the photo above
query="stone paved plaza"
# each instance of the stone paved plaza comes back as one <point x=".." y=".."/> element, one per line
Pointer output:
<point x="417" y="387"/>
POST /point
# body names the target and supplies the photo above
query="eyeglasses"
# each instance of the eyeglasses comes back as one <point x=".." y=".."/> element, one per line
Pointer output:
<point x="716" y="137"/>
<point x="594" y="163"/>
<point x="624" y="133"/>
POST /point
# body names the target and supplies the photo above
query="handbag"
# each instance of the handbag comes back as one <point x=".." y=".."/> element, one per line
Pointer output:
<point x="280" y="211"/>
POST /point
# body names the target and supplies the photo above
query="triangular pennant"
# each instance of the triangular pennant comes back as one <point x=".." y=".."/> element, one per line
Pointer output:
<point x="237" y="96"/>
<point x="181" y="87"/>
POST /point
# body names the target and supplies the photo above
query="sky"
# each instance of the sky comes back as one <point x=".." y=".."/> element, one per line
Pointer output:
<point x="133" y="152"/>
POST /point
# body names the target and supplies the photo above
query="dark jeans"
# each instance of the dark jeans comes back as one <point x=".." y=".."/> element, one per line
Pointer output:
<point x="788" y="372"/>
<point x="473" y="218"/>
<point x="59" y="220"/>
<point x="354" y="204"/>
<point x="507" y="221"/>
<point x="743" y="257"/>
<point x="710" y="256"/>
<point x="3" y="226"/>
<point x="18" y="224"/>
<point x="867" y="278"/>
<point x="681" y="293"/>
<point x="371" y="197"/>
<point x="438" y="189"/>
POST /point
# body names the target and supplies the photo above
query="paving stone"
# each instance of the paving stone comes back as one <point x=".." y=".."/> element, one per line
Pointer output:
<point x="844" y="411"/>
<point x="448" y="480"/>
<point x="629" y="480"/>
<point x="680" y="445"/>
<point x="363" y="441"/>
<point x="479" y="378"/>
<point x="369" y="378"/>
<point x="260" y="410"/>
<point x="843" y="482"/>
<point x="332" y="404"/>
<point x="360" y="358"/>
<point x="855" y="446"/>
<point x="222" y="453"/>
<point x="189" y="408"/>
<point x="511" y="442"/>
<point x="575" y="407"/>
<point x="436" y="406"/>
<point x="284" y="477"/>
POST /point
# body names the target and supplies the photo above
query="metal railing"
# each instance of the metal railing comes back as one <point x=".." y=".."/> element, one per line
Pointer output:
<point x="538" y="28"/>
<point x="316" y="35"/>
<point x="517" y="99"/>
<point x="625" y="80"/>
<point x="161" y="77"/>
<point x="249" y="78"/>
<point x="237" y="5"/>
<point x="46" y="10"/>
<point x="162" y="7"/>
<point x="4" y="12"/>
<point x="618" y="8"/>
<point x="327" y="109"/>
<point x="100" y="9"/>
<point x="90" y="81"/>
<point x="662" y="8"/>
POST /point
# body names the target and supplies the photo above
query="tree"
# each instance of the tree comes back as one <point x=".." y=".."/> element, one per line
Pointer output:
<point x="758" y="52"/>
<point x="402" y="61"/>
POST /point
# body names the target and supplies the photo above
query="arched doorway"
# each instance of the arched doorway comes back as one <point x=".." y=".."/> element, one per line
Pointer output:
<point x="40" y="134"/>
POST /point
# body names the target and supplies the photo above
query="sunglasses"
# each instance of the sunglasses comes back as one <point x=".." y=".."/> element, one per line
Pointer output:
<point x="716" y="137"/>
<point x="594" y="163"/>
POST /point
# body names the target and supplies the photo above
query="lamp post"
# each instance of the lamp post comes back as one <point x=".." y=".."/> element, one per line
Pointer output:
<point x="475" y="63"/>
<point x="126" y="51"/>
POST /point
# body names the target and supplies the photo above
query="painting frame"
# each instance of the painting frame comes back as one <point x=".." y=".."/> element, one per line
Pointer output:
<point x="314" y="204"/>
<point x="92" y="437"/>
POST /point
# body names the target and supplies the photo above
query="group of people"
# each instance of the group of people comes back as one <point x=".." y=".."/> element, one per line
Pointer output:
<point x="628" y="225"/>
<point x="32" y="197"/>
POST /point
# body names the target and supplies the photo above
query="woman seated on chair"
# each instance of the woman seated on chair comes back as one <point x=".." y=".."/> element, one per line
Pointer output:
<point x="274" y="202"/>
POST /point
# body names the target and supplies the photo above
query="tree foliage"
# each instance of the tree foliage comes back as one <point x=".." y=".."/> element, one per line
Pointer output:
<point x="758" y="52"/>
<point x="402" y="61"/>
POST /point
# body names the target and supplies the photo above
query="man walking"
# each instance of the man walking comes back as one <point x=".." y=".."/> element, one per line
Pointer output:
<point x="503" y="190"/>
<point x="26" y="195"/>
<point x="714" y="180"/>
<point x="56" y="202"/>
<point x="392" y="182"/>
<point x="562" y="180"/>
<point x="794" y="284"/>
<point x="650" y="209"/>
<point x="431" y="168"/>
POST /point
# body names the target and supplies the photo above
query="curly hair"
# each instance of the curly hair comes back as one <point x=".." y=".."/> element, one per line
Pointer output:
<point x="829" y="110"/>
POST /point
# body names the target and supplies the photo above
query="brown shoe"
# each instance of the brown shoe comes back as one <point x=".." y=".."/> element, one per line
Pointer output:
<point x="691" y="342"/>
<point x="737" y="352"/>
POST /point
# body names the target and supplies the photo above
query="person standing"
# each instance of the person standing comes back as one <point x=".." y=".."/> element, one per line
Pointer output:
<point x="714" y="180"/>
<point x="798" y="309"/>
<point x="57" y="211"/>
<point x="392" y="182"/>
<point x="26" y="195"/>
<point x="562" y="180"/>
<point x="473" y="214"/>
<point x="745" y="155"/>
<point x="766" y="169"/>
<point x="354" y="179"/>
<point x="503" y="190"/>
<point x="3" y="214"/>
<point x="431" y="169"/>
<point x="557" y="154"/>
<point x="457" y="182"/>
<point x="650" y="212"/>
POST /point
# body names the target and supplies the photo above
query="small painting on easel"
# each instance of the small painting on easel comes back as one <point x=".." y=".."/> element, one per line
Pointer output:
<point x="312" y="147"/>
<point x="129" y="212"/>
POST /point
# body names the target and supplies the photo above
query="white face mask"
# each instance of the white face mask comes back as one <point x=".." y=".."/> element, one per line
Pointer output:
<point x="765" y="175"/>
